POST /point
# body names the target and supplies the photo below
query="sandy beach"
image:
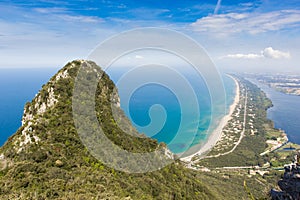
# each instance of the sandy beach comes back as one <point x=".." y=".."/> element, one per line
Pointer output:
<point x="215" y="136"/>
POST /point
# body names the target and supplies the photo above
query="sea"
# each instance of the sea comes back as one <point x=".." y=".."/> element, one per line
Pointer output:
<point x="285" y="112"/>
<point x="18" y="86"/>
<point x="147" y="106"/>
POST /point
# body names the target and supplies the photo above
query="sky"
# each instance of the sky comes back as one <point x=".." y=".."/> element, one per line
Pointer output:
<point x="240" y="35"/>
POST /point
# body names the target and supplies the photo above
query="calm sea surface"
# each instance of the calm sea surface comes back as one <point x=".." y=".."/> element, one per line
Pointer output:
<point x="166" y="122"/>
<point x="18" y="86"/>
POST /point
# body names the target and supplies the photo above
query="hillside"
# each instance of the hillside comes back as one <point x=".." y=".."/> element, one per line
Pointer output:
<point x="45" y="158"/>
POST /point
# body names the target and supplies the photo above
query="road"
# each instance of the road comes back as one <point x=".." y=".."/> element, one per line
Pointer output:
<point x="242" y="133"/>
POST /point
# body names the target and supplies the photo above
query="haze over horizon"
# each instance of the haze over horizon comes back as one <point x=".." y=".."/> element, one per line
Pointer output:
<point x="250" y="36"/>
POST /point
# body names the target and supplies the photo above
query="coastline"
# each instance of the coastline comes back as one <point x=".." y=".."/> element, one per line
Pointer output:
<point x="216" y="134"/>
<point x="284" y="114"/>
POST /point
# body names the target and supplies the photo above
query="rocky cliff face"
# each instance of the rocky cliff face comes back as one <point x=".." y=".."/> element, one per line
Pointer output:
<point x="45" y="158"/>
<point x="289" y="185"/>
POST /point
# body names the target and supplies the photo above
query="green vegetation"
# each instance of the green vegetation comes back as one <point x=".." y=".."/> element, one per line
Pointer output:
<point x="229" y="184"/>
<point x="58" y="166"/>
<point x="281" y="157"/>
<point x="231" y="133"/>
<point x="248" y="151"/>
<point x="54" y="164"/>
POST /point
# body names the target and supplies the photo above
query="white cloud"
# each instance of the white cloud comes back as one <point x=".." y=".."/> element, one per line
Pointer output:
<point x="66" y="15"/>
<point x="246" y="56"/>
<point x="50" y="10"/>
<point x="276" y="54"/>
<point x="55" y="38"/>
<point x="268" y="52"/>
<point x="80" y="18"/>
<point x="139" y="57"/>
<point x="253" y="23"/>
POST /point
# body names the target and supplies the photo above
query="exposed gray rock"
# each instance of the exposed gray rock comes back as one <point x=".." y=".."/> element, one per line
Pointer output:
<point x="289" y="184"/>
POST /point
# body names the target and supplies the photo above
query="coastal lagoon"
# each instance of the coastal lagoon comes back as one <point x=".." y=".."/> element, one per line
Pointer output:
<point x="285" y="112"/>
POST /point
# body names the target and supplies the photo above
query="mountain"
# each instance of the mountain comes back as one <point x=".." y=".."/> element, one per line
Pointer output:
<point x="47" y="159"/>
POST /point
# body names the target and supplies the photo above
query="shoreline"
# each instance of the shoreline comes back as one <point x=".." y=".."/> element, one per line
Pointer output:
<point x="216" y="134"/>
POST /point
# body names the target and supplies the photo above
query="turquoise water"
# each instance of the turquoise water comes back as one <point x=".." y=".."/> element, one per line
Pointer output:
<point x="143" y="111"/>
<point x="17" y="86"/>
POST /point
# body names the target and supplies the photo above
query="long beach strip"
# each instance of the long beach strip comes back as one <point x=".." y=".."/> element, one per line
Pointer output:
<point x="216" y="135"/>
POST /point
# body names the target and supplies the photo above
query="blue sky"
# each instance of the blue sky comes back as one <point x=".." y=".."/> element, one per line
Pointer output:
<point x="239" y="35"/>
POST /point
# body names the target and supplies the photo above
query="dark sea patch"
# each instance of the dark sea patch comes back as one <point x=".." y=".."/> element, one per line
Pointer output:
<point x="18" y="86"/>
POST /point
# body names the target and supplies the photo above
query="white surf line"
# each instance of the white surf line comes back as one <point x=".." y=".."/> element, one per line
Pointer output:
<point x="241" y="136"/>
<point x="214" y="138"/>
